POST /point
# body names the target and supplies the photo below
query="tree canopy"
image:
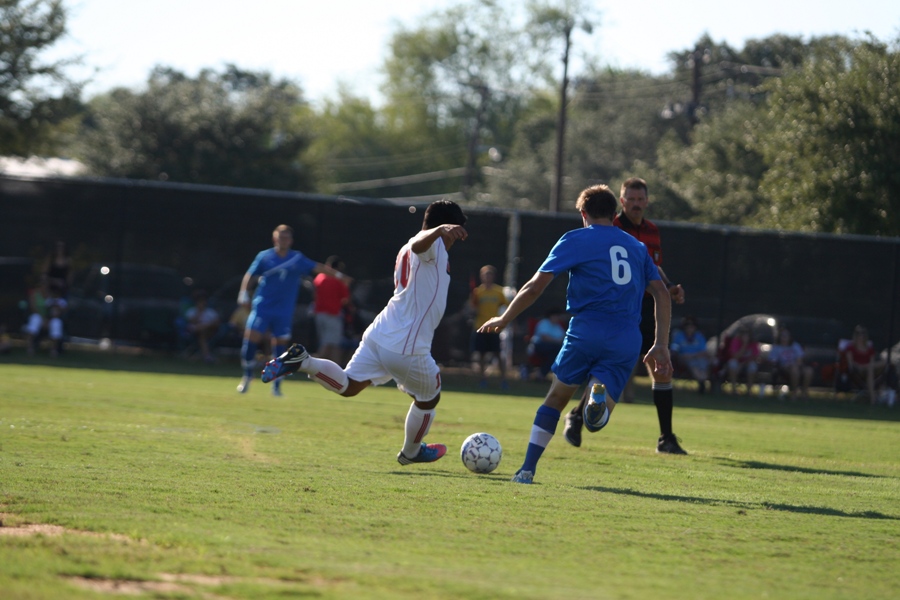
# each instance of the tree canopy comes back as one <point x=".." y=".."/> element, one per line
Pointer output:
<point x="833" y="146"/>
<point x="233" y="127"/>
<point x="782" y="133"/>
<point x="35" y="95"/>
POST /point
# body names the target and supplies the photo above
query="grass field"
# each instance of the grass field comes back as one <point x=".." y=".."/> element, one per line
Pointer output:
<point x="156" y="479"/>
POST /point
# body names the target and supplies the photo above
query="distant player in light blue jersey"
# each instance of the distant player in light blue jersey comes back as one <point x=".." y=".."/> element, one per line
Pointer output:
<point x="609" y="271"/>
<point x="276" y="274"/>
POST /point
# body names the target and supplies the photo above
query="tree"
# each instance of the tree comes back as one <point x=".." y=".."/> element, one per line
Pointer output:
<point x="456" y="80"/>
<point x="615" y="123"/>
<point x="236" y="128"/>
<point x="835" y="142"/>
<point x="716" y="178"/>
<point x="35" y="96"/>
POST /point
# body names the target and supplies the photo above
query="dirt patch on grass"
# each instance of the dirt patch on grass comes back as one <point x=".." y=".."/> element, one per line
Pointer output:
<point x="130" y="587"/>
<point x="9" y="527"/>
<point x="170" y="583"/>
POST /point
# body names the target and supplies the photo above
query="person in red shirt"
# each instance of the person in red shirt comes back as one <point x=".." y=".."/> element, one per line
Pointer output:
<point x="634" y="198"/>
<point x="332" y="296"/>
<point x="861" y="362"/>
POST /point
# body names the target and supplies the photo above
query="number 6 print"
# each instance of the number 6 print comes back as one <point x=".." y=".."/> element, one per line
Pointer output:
<point x="621" y="270"/>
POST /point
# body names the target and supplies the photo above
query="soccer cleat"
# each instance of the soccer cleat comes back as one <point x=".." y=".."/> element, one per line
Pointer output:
<point x="427" y="453"/>
<point x="523" y="476"/>
<point x="244" y="385"/>
<point x="286" y="364"/>
<point x="668" y="444"/>
<point x="572" y="430"/>
<point x="596" y="413"/>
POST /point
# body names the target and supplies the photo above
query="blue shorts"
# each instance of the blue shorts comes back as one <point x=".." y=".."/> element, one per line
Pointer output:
<point x="280" y="325"/>
<point x="608" y="356"/>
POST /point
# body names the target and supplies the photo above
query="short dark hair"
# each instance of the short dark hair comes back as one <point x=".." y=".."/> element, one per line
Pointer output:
<point x="443" y="212"/>
<point x="598" y="201"/>
<point x="634" y="183"/>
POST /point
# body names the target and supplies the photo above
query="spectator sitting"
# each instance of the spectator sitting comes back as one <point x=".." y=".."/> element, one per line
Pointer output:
<point x="689" y="351"/>
<point x="201" y="324"/>
<point x="861" y="366"/>
<point x="547" y="340"/>
<point x="47" y="310"/>
<point x="786" y="357"/>
<point x="742" y="357"/>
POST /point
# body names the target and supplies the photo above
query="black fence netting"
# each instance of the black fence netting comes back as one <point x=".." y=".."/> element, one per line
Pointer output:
<point x="159" y="243"/>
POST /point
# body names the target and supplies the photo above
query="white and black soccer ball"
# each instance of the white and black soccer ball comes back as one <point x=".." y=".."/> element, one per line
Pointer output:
<point x="481" y="453"/>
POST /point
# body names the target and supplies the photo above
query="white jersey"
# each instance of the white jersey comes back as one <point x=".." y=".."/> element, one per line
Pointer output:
<point x="407" y="323"/>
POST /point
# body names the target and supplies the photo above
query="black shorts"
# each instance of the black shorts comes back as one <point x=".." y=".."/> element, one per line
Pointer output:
<point x="486" y="342"/>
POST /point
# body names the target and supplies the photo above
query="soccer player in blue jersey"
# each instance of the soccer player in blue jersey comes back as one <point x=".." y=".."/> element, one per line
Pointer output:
<point x="609" y="271"/>
<point x="275" y="273"/>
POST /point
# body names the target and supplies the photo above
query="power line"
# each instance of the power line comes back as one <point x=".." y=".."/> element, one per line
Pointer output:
<point x="372" y="184"/>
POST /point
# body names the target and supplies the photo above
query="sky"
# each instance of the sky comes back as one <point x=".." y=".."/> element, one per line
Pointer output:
<point x="321" y="44"/>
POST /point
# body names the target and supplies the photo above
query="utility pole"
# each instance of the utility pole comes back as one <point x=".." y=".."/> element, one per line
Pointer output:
<point x="698" y="57"/>
<point x="471" y="164"/>
<point x="556" y="192"/>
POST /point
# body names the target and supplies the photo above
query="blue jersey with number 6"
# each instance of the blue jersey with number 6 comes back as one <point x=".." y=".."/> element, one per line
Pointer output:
<point x="609" y="271"/>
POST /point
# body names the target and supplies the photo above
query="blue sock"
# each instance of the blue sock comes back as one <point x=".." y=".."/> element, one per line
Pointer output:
<point x="248" y="357"/>
<point x="545" y="422"/>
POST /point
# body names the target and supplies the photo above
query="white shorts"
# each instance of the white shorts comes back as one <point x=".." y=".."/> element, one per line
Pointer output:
<point x="330" y="329"/>
<point x="415" y="374"/>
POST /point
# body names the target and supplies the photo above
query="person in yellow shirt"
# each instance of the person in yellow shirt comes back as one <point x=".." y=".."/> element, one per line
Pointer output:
<point x="487" y="301"/>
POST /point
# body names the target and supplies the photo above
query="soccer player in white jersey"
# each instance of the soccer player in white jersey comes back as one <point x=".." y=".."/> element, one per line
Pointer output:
<point x="397" y="345"/>
<point x="609" y="271"/>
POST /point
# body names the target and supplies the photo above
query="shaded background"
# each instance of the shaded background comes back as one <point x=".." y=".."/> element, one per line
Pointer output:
<point x="186" y="238"/>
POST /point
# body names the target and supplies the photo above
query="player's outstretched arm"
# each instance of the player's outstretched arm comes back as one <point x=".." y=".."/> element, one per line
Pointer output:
<point x="449" y="233"/>
<point x="526" y="296"/>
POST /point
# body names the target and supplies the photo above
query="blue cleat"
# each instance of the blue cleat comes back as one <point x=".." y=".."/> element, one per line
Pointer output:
<point x="286" y="364"/>
<point x="523" y="476"/>
<point x="427" y="453"/>
<point x="596" y="413"/>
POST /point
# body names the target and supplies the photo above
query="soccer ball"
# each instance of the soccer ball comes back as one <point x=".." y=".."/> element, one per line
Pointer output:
<point x="481" y="453"/>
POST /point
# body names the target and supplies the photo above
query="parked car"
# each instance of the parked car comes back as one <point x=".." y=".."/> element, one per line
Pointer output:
<point x="127" y="302"/>
<point x="819" y="338"/>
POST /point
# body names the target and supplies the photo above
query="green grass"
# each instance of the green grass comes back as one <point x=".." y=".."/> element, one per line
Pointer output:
<point x="301" y="496"/>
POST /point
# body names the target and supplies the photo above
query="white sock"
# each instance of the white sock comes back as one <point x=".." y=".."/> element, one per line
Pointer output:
<point x="418" y="422"/>
<point x="326" y="373"/>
